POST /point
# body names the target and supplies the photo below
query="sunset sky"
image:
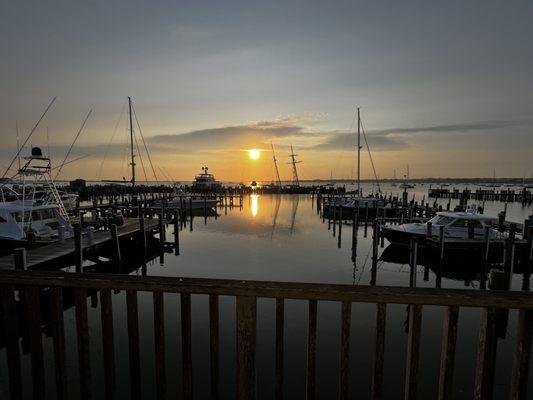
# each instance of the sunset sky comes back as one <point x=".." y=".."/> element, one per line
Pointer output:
<point x="446" y="87"/>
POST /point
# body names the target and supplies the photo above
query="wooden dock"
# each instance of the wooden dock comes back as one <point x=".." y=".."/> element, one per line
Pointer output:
<point x="57" y="250"/>
<point x="507" y="195"/>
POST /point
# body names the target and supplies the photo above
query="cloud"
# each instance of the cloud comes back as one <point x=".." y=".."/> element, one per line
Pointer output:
<point x="257" y="134"/>
<point x="401" y="138"/>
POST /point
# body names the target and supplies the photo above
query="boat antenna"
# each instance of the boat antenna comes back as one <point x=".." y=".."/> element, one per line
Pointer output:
<point x="29" y="136"/>
<point x="358" y="151"/>
<point x="73" y="142"/>
<point x="131" y="145"/>
<point x="294" y="170"/>
<point x="275" y="164"/>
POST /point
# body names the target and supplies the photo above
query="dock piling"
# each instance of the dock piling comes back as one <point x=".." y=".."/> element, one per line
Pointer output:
<point x="19" y="256"/>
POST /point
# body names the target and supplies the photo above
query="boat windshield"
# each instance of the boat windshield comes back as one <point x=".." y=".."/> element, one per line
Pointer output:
<point x="441" y="220"/>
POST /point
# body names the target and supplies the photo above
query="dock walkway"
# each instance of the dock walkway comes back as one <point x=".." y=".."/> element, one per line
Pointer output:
<point x="47" y="253"/>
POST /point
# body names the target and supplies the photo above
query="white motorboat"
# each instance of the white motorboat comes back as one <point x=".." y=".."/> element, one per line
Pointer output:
<point x="205" y="180"/>
<point x="24" y="217"/>
<point x="456" y="226"/>
<point x="23" y="221"/>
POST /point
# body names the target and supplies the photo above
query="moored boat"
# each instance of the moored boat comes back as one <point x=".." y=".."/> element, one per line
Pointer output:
<point x="457" y="226"/>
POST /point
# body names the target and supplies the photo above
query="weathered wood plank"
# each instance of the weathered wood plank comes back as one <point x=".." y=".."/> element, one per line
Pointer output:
<point x="287" y="290"/>
<point x="12" y="345"/>
<point x="214" y="345"/>
<point x="522" y="355"/>
<point x="344" y="359"/>
<point x="133" y="344"/>
<point x="413" y="351"/>
<point x="36" y="344"/>
<point x="159" y="336"/>
<point x="379" y="352"/>
<point x="447" y="356"/>
<point x="280" y="322"/>
<point x="186" y="345"/>
<point x="53" y="251"/>
<point x="484" y="382"/>
<point x="82" y="331"/>
<point x="58" y="333"/>
<point x="310" y="376"/>
<point x="106" y="316"/>
<point x="246" y="315"/>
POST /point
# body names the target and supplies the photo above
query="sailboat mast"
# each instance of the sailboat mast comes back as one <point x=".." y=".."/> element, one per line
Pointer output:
<point x="358" y="152"/>
<point x="131" y="144"/>
<point x="295" y="178"/>
<point x="275" y="164"/>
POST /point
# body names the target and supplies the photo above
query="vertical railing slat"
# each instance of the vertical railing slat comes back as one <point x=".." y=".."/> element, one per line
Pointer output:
<point x="58" y="332"/>
<point x="133" y="344"/>
<point x="280" y="321"/>
<point x="484" y="382"/>
<point x="82" y="330"/>
<point x="213" y="345"/>
<point x="12" y="345"/>
<point x="379" y="351"/>
<point x="522" y="355"/>
<point x="447" y="356"/>
<point x="159" y="342"/>
<point x="413" y="351"/>
<point x="246" y="315"/>
<point x="311" y="352"/>
<point x="36" y="343"/>
<point x="106" y="314"/>
<point x="186" y="345"/>
<point x="344" y="359"/>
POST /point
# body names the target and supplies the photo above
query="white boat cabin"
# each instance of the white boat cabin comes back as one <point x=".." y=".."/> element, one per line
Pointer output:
<point x="18" y="218"/>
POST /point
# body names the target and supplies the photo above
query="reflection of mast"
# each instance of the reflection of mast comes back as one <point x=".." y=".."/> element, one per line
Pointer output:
<point x="275" y="164"/>
<point x="295" y="179"/>
<point x="294" y="210"/>
<point x="276" y="212"/>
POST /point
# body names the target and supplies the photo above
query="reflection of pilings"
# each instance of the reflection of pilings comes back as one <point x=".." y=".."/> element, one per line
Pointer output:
<point x="334" y="217"/>
<point x="355" y="227"/>
<point x="176" y="233"/>
<point x="340" y="227"/>
<point x="413" y="261"/>
<point x="438" y="279"/>
<point x="375" y="243"/>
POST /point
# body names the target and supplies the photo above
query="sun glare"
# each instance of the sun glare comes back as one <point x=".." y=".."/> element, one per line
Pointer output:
<point x="254" y="154"/>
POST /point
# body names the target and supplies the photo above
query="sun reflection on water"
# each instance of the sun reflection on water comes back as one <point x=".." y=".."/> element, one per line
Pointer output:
<point x="255" y="204"/>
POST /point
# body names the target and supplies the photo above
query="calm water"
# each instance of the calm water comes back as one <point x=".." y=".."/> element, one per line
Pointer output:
<point x="282" y="238"/>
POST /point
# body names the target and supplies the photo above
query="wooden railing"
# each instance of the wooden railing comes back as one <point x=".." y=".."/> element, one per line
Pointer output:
<point x="246" y="292"/>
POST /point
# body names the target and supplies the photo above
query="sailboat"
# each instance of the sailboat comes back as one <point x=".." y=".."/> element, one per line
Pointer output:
<point x="394" y="184"/>
<point x="493" y="184"/>
<point x="406" y="184"/>
<point x="357" y="201"/>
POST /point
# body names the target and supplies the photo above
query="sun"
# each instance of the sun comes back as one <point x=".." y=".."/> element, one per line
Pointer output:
<point x="254" y="154"/>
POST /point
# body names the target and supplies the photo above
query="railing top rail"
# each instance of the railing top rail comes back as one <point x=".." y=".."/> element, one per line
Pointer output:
<point x="287" y="290"/>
